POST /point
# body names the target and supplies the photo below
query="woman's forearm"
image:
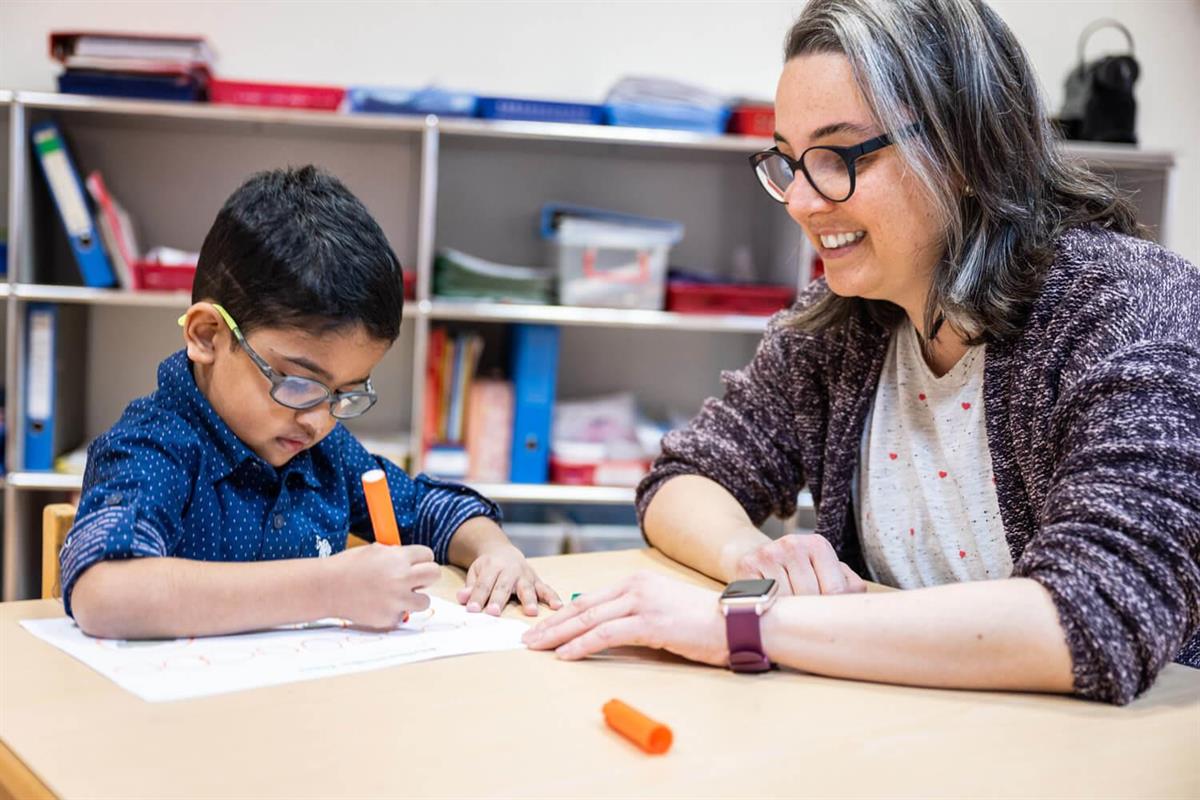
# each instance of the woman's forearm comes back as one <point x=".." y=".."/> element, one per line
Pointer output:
<point x="697" y="522"/>
<point x="1002" y="634"/>
<point x="170" y="597"/>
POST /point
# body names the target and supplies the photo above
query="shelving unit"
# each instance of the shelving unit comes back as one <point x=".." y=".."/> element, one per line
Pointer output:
<point x="469" y="184"/>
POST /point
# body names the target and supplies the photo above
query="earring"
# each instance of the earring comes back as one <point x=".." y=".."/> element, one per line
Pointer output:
<point x="969" y="192"/>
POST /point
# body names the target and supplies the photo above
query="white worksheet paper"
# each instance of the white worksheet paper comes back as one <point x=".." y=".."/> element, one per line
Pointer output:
<point x="175" y="669"/>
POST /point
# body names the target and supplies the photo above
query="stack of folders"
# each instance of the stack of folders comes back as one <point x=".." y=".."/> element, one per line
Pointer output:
<point x="129" y="65"/>
<point x="461" y="276"/>
<point x="488" y="429"/>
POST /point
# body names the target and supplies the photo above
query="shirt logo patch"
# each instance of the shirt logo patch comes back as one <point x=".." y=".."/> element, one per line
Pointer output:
<point x="323" y="548"/>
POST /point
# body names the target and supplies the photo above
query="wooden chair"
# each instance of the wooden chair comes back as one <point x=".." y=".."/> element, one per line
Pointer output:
<point x="57" y="519"/>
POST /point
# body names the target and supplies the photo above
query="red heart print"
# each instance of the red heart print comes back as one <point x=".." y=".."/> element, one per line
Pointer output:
<point x="912" y="532"/>
<point x="921" y="396"/>
<point x="962" y="553"/>
<point x="942" y="473"/>
<point x="892" y="456"/>
<point x="966" y="406"/>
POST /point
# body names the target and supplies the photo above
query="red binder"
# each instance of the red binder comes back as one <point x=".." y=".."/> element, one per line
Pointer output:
<point x="275" y="95"/>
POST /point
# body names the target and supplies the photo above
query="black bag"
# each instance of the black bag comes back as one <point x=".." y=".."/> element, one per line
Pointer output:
<point x="1098" y="104"/>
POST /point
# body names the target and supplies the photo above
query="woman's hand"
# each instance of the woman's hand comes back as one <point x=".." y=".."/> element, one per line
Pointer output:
<point x="647" y="610"/>
<point x="499" y="572"/>
<point x="800" y="563"/>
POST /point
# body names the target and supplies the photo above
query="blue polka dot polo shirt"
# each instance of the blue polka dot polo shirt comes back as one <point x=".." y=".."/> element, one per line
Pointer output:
<point x="171" y="479"/>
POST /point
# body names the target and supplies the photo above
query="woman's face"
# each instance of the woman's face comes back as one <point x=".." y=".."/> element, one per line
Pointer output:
<point x="894" y="238"/>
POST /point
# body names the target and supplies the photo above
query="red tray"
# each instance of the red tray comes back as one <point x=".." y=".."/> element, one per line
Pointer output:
<point x="154" y="277"/>
<point x="280" y="95"/>
<point x="752" y="120"/>
<point x="727" y="298"/>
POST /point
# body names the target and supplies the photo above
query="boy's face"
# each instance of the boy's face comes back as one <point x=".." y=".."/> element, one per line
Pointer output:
<point x="342" y="360"/>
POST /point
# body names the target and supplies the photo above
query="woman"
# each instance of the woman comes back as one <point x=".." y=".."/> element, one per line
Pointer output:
<point x="993" y="395"/>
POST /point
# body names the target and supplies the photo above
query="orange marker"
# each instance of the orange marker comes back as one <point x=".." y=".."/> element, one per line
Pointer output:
<point x="650" y="735"/>
<point x="379" y="503"/>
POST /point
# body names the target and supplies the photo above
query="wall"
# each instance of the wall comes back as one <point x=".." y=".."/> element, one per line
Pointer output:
<point x="577" y="49"/>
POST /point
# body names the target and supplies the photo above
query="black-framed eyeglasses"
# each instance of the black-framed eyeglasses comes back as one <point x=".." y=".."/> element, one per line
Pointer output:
<point x="830" y="170"/>
<point x="301" y="394"/>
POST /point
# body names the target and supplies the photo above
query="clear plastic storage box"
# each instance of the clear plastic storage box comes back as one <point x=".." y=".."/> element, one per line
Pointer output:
<point x="611" y="260"/>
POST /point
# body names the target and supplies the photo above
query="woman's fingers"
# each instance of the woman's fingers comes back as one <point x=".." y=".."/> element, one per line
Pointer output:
<point x="553" y="633"/>
<point x="580" y="604"/>
<point x="827" y="569"/>
<point x="854" y="583"/>
<point x="624" y="630"/>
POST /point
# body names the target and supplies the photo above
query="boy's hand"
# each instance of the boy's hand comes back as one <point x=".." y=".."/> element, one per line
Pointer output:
<point x="496" y="574"/>
<point x="376" y="585"/>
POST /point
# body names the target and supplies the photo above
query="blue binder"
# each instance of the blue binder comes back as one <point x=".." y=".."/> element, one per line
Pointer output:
<point x="52" y="410"/>
<point x="67" y="191"/>
<point x="534" y="353"/>
<point x="40" y="389"/>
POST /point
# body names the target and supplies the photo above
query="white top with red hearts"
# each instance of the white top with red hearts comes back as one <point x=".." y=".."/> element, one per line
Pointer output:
<point x="925" y="496"/>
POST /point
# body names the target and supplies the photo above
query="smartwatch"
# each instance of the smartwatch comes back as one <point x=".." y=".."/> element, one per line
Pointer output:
<point x="742" y="603"/>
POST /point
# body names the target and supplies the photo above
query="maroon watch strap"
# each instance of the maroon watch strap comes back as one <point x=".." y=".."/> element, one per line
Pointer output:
<point x="743" y="632"/>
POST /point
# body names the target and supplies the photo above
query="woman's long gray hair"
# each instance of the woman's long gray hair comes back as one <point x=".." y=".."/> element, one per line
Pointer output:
<point x="987" y="157"/>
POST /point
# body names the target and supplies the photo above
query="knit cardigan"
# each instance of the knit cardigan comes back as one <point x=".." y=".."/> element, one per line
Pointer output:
<point x="1093" y="424"/>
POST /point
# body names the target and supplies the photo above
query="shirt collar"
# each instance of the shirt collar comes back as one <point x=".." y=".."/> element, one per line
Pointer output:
<point x="177" y="389"/>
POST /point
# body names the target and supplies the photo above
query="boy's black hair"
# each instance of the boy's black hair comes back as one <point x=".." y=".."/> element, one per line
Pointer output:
<point x="294" y="248"/>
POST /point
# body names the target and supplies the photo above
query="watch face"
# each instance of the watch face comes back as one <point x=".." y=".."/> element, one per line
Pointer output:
<point x="744" y="589"/>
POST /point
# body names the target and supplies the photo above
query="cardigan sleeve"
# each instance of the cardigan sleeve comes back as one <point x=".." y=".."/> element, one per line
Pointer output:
<point x="1119" y="541"/>
<point x="748" y="440"/>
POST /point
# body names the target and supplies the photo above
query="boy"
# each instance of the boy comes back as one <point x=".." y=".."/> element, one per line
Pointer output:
<point x="204" y="505"/>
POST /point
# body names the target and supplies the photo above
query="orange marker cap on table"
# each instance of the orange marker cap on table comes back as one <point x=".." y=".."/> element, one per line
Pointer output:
<point x="379" y="503"/>
<point x="648" y="734"/>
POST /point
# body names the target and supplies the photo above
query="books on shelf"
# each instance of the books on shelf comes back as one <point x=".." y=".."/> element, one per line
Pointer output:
<point x="187" y="51"/>
<point x="489" y="430"/>
<point x="145" y="67"/>
<point x="450" y="392"/>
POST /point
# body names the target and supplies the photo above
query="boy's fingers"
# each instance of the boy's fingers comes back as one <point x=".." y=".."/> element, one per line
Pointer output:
<point x="425" y="574"/>
<point x="469" y="583"/>
<point x="417" y="553"/>
<point x="501" y="591"/>
<point x="547" y="595"/>
<point x="528" y="597"/>
<point x="484" y="581"/>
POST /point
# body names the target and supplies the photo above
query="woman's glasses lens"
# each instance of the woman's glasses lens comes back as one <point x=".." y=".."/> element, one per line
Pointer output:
<point x="827" y="173"/>
<point x="775" y="174"/>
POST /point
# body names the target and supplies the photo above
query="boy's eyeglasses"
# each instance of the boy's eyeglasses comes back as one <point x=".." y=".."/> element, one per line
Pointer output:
<point x="829" y="170"/>
<point x="299" y="393"/>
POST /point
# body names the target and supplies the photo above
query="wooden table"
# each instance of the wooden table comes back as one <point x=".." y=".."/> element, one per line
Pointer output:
<point x="523" y="724"/>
